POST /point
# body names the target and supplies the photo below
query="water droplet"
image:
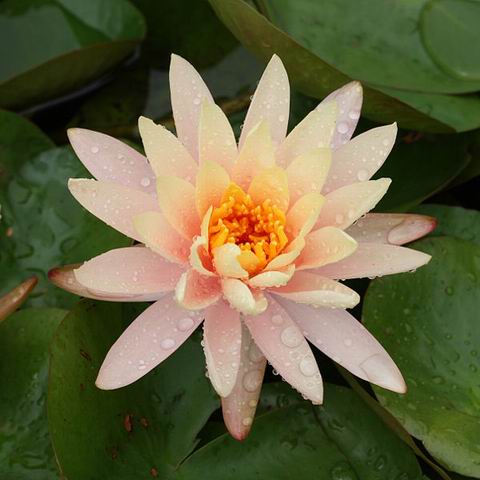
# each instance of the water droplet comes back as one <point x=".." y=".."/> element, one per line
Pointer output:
<point x="308" y="366"/>
<point x="252" y="380"/>
<point x="167" y="343"/>
<point x="362" y="175"/>
<point x="342" y="127"/>
<point x="94" y="149"/>
<point x="185" y="324"/>
<point x="277" y="319"/>
<point x="247" y="421"/>
<point x="145" y="182"/>
<point x="196" y="101"/>
<point x="291" y="337"/>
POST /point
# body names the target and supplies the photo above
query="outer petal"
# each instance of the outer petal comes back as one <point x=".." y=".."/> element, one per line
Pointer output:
<point x="256" y="154"/>
<point x="302" y="216"/>
<point x="271" y="183"/>
<point x="187" y="90"/>
<point x="195" y="291"/>
<point x="216" y="139"/>
<point x="348" y="203"/>
<point x="375" y="260"/>
<point x="282" y="342"/>
<point x="239" y="407"/>
<point x="314" y="131"/>
<point x="241" y="298"/>
<point x="324" y="246"/>
<point x="166" y="154"/>
<point x="349" y="100"/>
<point x="111" y="160"/>
<point x="15" y="297"/>
<point x="359" y="159"/>
<point x="271" y="102"/>
<point x="223" y="338"/>
<point x="272" y="278"/>
<point x="134" y="271"/>
<point x="318" y="291"/>
<point x="226" y="261"/>
<point x="340" y="336"/>
<point x="212" y="181"/>
<point x="392" y="228"/>
<point x="307" y="173"/>
<point x="158" y="235"/>
<point x="149" y="340"/>
<point x="177" y="202"/>
<point x="112" y="203"/>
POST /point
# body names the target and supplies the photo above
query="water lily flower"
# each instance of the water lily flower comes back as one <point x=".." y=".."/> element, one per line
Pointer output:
<point x="250" y="238"/>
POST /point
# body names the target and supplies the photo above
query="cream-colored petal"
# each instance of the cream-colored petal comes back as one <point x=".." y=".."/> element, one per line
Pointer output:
<point x="187" y="92"/>
<point x="324" y="246"/>
<point x="166" y="154"/>
<point x="158" y="235"/>
<point x="270" y="102"/>
<point x="226" y="261"/>
<point x="346" y="204"/>
<point x="272" y="278"/>
<point x="359" y="159"/>
<point x="176" y="198"/>
<point x="257" y="153"/>
<point x="199" y="258"/>
<point x="302" y="216"/>
<point x="195" y="291"/>
<point x="314" y="131"/>
<point x="212" y="181"/>
<point x="291" y="252"/>
<point x="241" y="297"/>
<point x="271" y="184"/>
<point x="307" y="173"/>
<point x="216" y="139"/>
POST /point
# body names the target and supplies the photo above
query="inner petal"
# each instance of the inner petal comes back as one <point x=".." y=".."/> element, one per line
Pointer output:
<point x="257" y="228"/>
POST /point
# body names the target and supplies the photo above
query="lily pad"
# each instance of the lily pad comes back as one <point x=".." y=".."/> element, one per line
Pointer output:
<point x="141" y="431"/>
<point x="25" y="449"/>
<point x="428" y="322"/>
<point x="51" y="47"/>
<point x="315" y="76"/>
<point x="43" y="226"/>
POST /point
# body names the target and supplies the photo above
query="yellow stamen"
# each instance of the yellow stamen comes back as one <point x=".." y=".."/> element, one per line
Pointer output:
<point x="259" y="230"/>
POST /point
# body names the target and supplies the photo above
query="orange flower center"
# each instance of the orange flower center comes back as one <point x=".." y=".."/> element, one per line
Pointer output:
<point x="259" y="230"/>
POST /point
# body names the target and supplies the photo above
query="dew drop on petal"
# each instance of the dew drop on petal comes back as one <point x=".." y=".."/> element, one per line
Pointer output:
<point x="167" y="343"/>
<point x="252" y="380"/>
<point x="291" y="337"/>
<point x="185" y="324"/>
<point x="95" y="149"/>
<point x="145" y="182"/>
<point x="362" y="175"/>
<point x="342" y="127"/>
<point x="308" y="366"/>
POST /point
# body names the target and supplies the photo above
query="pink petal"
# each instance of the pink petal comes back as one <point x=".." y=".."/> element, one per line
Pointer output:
<point x="349" y="100"/>
<point x="114" y="204"/>
<point x="359" y="159"/>
<point x="195" y="291"/>
<point x="14" y="299"/>
<point x="111" y="160"/>
<point x="346" y="204"/>
<point x="158" y="235"/>
<point x="223" y="337"/>
<point x="314" y="131"/>
<point x="129" y="271"/>
<point x="226" y="261"/>
<point x="176" y="198"/>
<point x="216" y="139"/>
<point x="340" y="336"/>
<point x="324" y="246"/>
<point x="239" y="407"/>
<point x="212" y="181"/>
<point x="150" y="339"/>
<point x="271" y="102"/>
<point x="282" y="342"/>
<point x="187" y="91"/>
<point x="271" y="184"/>
<point x="256" y="154"/>
<point x="302" y="216"/>
<point x="241" y="297"/>
<point x="307" y="173"/>
<point x="272" y="278"/>
<point x="375" y="260"/>
<point x="165" y="152"/>
<point x="306" y="287"/>
<point x="392" y="228"/>
<point x="200" y="260"/>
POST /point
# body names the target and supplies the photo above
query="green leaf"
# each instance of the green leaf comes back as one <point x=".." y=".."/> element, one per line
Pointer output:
<point x="51" y="47"/>
<point x="453" y="221"/>
<point x="315" y="77"/>
<point x="343" y="439"/>
<point x="152" y="424"/>
<point x="420" y="169"/>
<point x="428" y="322"/>
<point x="25" y="448"/>
<point x="449" y="29"/>
<point x="43" y="226"/>
<point x="365" y="40"/>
